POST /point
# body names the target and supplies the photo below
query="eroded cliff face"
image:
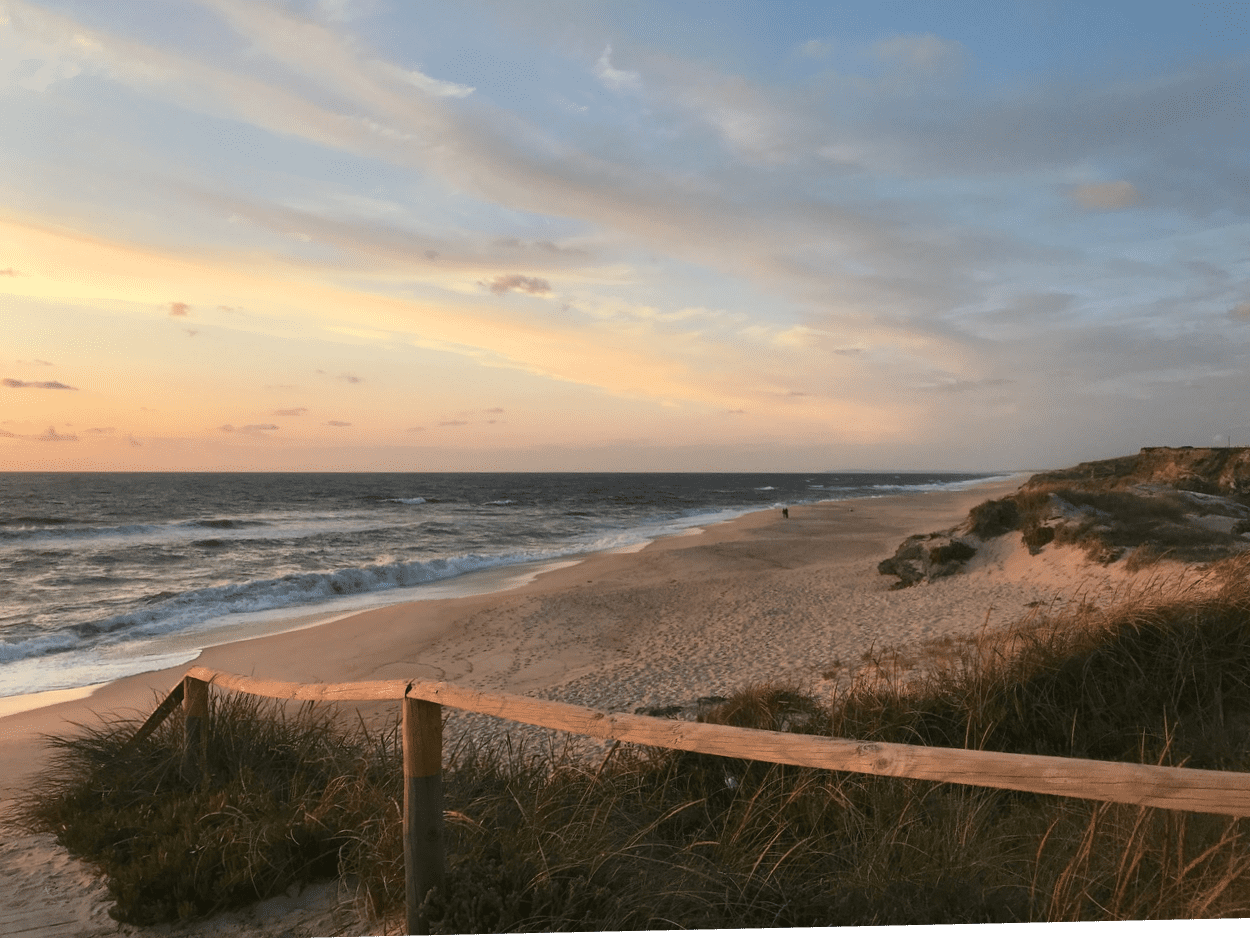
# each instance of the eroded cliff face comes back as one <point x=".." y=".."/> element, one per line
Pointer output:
<point x="1185" y="503"/>
<point x="1210" y="470"/>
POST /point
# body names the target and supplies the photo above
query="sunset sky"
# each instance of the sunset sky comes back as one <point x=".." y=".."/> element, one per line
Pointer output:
<point x="567" y="234"/>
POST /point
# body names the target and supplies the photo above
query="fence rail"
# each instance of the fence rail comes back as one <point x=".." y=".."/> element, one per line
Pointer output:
<point x="1158" y="786"/>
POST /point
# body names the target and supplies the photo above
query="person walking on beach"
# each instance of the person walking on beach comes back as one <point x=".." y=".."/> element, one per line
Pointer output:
<point x="785" y="512"/>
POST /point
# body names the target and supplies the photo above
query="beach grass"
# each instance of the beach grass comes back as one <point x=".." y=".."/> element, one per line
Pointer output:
<point x="541" y="839"/>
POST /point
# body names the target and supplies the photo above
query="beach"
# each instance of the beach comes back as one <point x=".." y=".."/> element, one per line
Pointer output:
<point x="759" y="598"/>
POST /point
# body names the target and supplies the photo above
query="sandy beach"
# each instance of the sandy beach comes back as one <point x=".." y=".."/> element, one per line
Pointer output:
<point x="759" y="598"/>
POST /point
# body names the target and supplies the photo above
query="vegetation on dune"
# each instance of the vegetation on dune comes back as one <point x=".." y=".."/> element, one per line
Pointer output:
<point x="1150" y="504"/>
<point x="647" y="838"/>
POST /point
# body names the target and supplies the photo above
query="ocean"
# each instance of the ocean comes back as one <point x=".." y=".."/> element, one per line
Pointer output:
<point x="104" y="575"/>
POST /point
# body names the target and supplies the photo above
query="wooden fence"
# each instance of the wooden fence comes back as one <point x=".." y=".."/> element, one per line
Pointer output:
<point x="1153" y="785"/>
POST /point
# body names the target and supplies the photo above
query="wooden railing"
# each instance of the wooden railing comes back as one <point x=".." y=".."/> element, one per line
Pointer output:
<point x="1152" y="785"/>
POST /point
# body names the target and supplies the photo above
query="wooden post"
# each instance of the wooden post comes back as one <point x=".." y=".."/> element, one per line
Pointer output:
<point x="195" y="728"/>
<point x="423" y="806"/>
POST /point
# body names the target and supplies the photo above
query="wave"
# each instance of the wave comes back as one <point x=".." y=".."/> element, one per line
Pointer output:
<point x="36" y="646"/>
<point x="948" y="486"/>
<point x="35" y="522"/>
<point x="502" y="501"/>
<point x="406" y="501"/>
<point x="166" y="613"/>
<point x="225" y="524"/>
<point x="173" y="533"/>
<point x="79" y="532"/>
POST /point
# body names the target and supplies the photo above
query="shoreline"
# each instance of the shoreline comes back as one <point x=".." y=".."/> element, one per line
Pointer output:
<point x="258" y="605"/>
<point x="580" y="630"/>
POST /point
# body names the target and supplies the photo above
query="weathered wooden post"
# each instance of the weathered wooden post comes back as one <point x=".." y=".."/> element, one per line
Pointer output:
<point x="195" y="728"/>
<point x="423" y="806"/>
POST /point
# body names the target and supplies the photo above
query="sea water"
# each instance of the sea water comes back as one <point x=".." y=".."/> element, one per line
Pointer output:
<point x="104" y="575"/>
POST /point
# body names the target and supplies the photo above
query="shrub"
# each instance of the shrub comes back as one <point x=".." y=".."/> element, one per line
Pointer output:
<point x="994" y="518"/>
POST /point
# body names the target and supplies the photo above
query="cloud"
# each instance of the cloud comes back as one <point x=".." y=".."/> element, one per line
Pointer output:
<point x="1106" y="196"/>
<point x="1241" y="311"/>
<point x="291" y="412"/>
<point x="101" y="430"/>
<point x="505" y="282"/>
<point x="431" y="86"/>
<point x="341" y="11"/>
<point x="614" y="78"/>
<point x="814" y="49"/>
<point x="252" y="429"/>
<point x="494" y="410"/>
<point x="453" y="423"/>
<point x="9" y="272"/>
<point x="924" y="53"/>
<point x="337" y="423"/>
<point x="959" y="386"/>
<point x="179" y="309"/>
<point x="51" y="436"/>
<point x="345" y="376"/>
<point x="43" y="385"/>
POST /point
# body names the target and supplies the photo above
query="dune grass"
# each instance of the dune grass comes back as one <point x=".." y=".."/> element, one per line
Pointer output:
<point x="539" y="840"/>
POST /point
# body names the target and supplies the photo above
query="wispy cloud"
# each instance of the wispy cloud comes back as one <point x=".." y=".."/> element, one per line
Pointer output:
<point x="42" y="385"/>
<point x="337" y="423"/>
<point x="505" y="282"/>
<point x="291" y="412"/>
<point x="615" y="78"/>
<point x="345" y="376"/>
<point x="48" y="436"/>
<point x="179" y="309"/>
<point x="51" y="436"/>
<point x="251" y="429"/>
<point x="1106" y="196"/>
<point x="9" y="272"/>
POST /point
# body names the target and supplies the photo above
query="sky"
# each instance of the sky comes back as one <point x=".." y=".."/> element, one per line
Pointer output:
<point x="645" y="235"/>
